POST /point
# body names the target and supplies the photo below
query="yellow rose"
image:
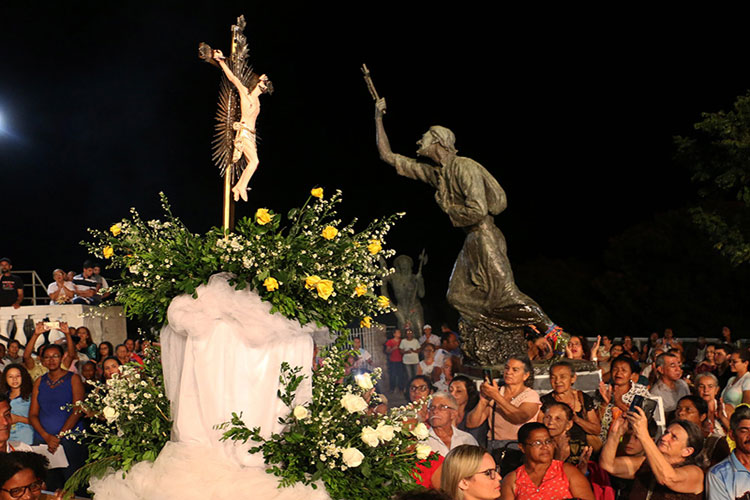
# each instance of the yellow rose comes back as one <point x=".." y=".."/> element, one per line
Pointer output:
<point x="317" y="192"/>
<point x="324" y="288"/>
<point x="116" y="229"/>
<point x="360" y="290"/>
<point x="374" y="247"/>
<point x="271" y="284"/>
<point x="311" y="281"/>
<point x="366" y="322"/>
<point x="329" y="232"/>
<point x="262" y="216"/>
<point x="108" y="252"/>
<point x="383" y="302"/>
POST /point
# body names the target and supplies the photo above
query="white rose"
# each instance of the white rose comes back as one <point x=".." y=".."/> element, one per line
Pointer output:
<point x="353" y="403"/>
<point x="300" y="412"/>
<point x="110" y="414"/>
<point x="364" y="381"/>
<point x="352" y="457"/>
<point x="420" y="431"/>
<point x="423" y="451"/>
<point x="370" y="436"/>
<point x="385" y="432"/>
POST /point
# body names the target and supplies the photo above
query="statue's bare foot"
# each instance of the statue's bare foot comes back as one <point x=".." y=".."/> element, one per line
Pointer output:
<point x="239" y="193"/>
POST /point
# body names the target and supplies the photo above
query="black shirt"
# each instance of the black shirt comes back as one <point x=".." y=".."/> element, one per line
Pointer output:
<point x="8" y="289"/>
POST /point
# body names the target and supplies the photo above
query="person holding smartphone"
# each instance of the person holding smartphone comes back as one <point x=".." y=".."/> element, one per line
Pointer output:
<point x="666" y="469"/>
<point x="617" y="395"/>
<point x="509" y="406"/>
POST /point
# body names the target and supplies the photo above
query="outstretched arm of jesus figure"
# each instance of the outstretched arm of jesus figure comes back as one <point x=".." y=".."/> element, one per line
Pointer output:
<point x="219" y="57"/>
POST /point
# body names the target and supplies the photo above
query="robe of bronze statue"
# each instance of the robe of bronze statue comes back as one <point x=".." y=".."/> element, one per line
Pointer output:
<point x="493" y="310"/>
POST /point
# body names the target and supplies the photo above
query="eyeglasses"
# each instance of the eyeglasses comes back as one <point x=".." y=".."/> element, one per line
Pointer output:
<point x="441" y="408"/>
<point x="539" y="444"/>
<point x="490" y="473"/>
<point x="51" y="356"/>
<point x="18" y="492"/>
<point x="418" y="388"/>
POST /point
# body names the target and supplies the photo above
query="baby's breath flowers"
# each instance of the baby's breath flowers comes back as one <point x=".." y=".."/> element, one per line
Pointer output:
<point x="135" y="418"/>
<point x="310" y="265"/>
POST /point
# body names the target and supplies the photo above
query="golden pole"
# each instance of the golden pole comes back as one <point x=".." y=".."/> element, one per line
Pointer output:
<point x="228" y="215"/>
<point x="228" y="218"/>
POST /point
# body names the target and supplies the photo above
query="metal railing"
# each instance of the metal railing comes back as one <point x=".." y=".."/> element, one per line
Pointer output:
<point x="36" y="297"/>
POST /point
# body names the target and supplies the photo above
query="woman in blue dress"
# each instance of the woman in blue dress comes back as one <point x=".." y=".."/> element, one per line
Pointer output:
<point x="17" y="383"/>
<point x="49" y="413"/>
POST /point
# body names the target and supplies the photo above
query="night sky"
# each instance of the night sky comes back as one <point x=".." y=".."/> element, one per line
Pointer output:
<point x="104" y="106"/>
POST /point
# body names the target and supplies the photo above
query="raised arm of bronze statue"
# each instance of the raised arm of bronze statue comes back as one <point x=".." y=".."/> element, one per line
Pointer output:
<point x="384" y="147"/>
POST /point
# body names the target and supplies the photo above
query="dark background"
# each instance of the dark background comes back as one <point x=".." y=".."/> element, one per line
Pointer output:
<point x="104" y="105"/>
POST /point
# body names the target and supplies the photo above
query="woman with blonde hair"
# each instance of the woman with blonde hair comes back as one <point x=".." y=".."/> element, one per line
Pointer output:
<point x="470" y="473"/>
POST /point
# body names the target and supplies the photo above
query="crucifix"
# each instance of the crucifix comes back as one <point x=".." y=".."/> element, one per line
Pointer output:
<point x="235" y="149"/>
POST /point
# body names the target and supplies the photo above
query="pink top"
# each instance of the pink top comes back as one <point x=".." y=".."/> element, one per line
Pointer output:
<point x="554" y="486"/>
<point x="506" y="430"/>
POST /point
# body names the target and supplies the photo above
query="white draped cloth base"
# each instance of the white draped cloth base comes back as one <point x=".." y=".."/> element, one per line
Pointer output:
<point x="221" y="353"/>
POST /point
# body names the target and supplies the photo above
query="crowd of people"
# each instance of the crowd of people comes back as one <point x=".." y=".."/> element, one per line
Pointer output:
<point x="40" y="385"/>
<point x="503" y="439"/>
<point x="496" y="438"/>
<point x="87" y="287"/>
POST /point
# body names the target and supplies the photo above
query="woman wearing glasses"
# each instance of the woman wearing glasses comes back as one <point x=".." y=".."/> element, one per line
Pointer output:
<point x="22" y="475"/>
<point x="49" y="415"/>
<point x="541" y="476"/>
<point x="420" y="388"/>
<point x="470" y="473"/>
<point x="737" y="389"/>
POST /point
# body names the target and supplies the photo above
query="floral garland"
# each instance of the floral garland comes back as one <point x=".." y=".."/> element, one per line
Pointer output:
<point x="338" y="437"/>
<point x="129" y="419"/>
<point x="312" y="270"/>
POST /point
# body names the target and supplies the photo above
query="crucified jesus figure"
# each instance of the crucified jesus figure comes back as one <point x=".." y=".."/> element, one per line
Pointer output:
<point x="244" y="141"/>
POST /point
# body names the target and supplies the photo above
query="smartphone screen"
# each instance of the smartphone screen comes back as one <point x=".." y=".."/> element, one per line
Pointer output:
<point x="637" y="402"/>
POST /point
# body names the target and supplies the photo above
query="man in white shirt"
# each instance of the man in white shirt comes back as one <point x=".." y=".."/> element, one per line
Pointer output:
<point x="429" y="337"/>
<point x="444" y="436"/>
<point x="670" y="385"/>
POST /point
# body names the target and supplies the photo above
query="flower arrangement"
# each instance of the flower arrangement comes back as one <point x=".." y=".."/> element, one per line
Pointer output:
<point x="338" y="438"/>
<point x="313" y="269"/>
<point x="130" y="419"/>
